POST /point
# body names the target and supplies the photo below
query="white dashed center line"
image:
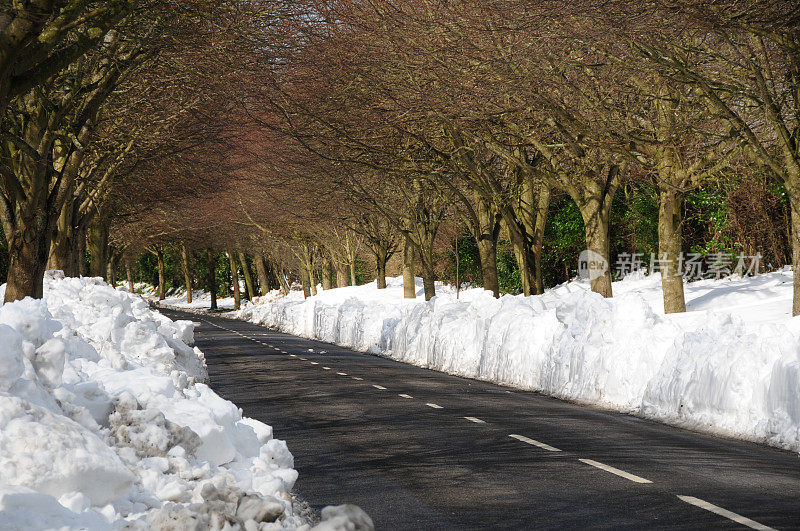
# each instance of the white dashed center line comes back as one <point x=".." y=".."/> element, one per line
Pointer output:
<point x="314" y="363"/>
<point x="475" y="420"/>
<point x="617" y="471"/>
<point x="342" y="373"/>
<point x="739" y="519"/>
<point x="304" y="359"/>
<point x="533" y="442"/>
<point x="405" y="396"/>
<point x="357" y="378"/>
<point x="434" y="406"/>
<point x="327" y="368"/>
<point x="292" y="355"/>
<point x="382" y="388"/>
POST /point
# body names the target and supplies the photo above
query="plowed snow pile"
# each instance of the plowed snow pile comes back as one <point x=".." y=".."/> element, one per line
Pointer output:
<point x="105" y="421"/>
<point x="730" y="365"/>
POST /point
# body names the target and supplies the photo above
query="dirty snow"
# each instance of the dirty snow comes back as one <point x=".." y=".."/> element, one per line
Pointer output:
<point x="106" y="422"/>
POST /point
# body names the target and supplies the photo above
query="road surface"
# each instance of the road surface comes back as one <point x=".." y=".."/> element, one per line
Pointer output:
<point x="422" y="450"/>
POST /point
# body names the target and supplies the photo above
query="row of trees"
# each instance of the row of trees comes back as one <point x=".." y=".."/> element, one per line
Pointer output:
<point x="320" y="133"/>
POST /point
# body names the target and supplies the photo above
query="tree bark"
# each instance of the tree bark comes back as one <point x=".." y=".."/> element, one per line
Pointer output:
<point x="129" y="274"/>
<point x="311" y="280"/>
<point x="327" y="274"/>
<point x="63" y="245"/>
<point x="380" y="266"/>
<point x="212" y="278"/>
<point x="261" y="272"/>
<point x="248" y="277"/>
<point x="305" y="282"/>
<point x="542" y="209"/>
<point x="283" y="281"/>
<point x="670" y="243"/>
<point x="595" y="220"/>
<point x="794" y="200"/>
<point x="187" y="273"/>
<point x="237" y="294"/>
<point x="342" y="277"/>
<point x="488" y="231"/>
<point x="80" y="255"/>
<point x="111" y="269"/>
<point x="28" y="259"/>
<point x="98" y="247"/>
<point x="352" y="267"/>
<point x="161" y="279"/>
<point x="409" y="285"/>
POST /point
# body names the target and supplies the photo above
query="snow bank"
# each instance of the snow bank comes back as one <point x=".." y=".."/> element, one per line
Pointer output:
<point x="730" y="365"/>
<point x="105" y="421"/>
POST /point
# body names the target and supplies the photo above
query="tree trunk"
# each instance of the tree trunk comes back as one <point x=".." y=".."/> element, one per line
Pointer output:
<point x="327" y="274"/>
<point x="111" y="271"/>
<point x="161" y="279"/>
<point x="80" y="255"/>
<point x="488" y="229"/>
<point x="352" y="266"/>
<point x="248" y="278"/>
<point x="212" y="278"/>
<point x="542" y="208"/>
<point x="380" y="266"/>
<point x="187" y="273"/>
<point x="487" y="252"/>
<point x="237" y="294"/>
<point x="342" y="277"/>
<point x="63" y="245"/>
<point x="794" y="200"/>
<point x="311" y="280"/>
<point x="261" y="271"/>
<point x="284" y="281"/>
<point x="98" y="247"/>
<point x="428" y="282"/>
<point x="305" y="282"/>
<point x="409" y="284"/>
<point x="522" y="256"/>
<point x="670" y="243"/>
<point x="595" y="221"/>
<point x="426" y="255"/>
<point x="129" y="274"/>
<point x="28" y="258"/>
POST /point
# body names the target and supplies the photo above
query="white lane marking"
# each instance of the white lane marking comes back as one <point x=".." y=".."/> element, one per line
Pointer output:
<point x="304" y="359"/>
<point x="617" y="471"/>
<point x="475" y="420"/>
<point x="382" y="388"/>
<point x="327" y="368"/>
<point x="739" y="519"/>
<point x="342" y="373"/>
<point x="314" y="363"/>
<point x="434" y="406"/>
<point x="357" y="378"/>
<point x="534" y="442"/>
<point x="284" y="352"/>
<point x="405" y="396"/>
<point x="196" y="323"/>
<point x="276" y="348"/>
<point x="292" y="355"/>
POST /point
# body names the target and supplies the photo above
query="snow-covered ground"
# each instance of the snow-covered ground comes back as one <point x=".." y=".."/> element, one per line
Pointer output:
<point x="730" y="365"/>
<point x="201" y="300"/>
<point x="105" y="422"/>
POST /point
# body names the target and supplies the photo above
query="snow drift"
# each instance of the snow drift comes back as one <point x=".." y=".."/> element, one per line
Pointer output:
<point x="731" y="365"/>
<point x="105" y="421"/>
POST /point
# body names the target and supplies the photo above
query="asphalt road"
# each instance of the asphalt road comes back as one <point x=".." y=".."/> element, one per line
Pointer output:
<point x="421" y="450"/>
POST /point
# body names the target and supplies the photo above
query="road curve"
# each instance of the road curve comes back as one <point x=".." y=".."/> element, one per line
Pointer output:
<point x="418" y="449"/>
